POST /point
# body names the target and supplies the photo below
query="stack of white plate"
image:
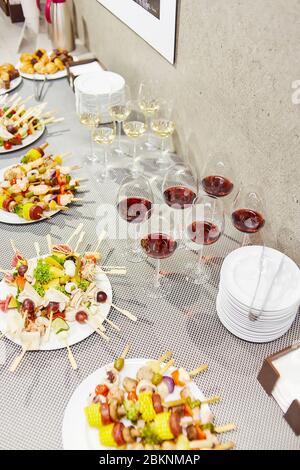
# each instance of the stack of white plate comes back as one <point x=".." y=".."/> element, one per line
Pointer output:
<point x="108" y="86"/>
<point x="238" y="283"/>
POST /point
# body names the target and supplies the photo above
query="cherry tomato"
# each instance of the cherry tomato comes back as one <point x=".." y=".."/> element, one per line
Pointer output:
<point x="102" y="390"/>
<point x="61" y="315"/>
<point x="81" y="317"/>
<point x="7" y="145"/>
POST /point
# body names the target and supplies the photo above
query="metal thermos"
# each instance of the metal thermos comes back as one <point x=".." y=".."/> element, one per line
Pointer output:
<point x="58" y="15"/>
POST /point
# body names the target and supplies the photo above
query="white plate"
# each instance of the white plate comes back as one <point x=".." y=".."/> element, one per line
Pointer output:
<point x="239" y="274"/>
<point x="26" y="142"/>
<point x="14" y="219"/>
<point x="41" y="77"/>
<point x="13" y="85"/>
<point x="76" y="433"/>
<point x="77" y="332"/>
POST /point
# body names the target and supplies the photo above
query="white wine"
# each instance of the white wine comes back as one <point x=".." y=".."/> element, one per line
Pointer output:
<point x="149" y="106"/>
<point x="119" y="113"/>
<point x="134" y="129"/>
<point x="163" y="127"/>
<point x="90" y="119"/>
<point x="104" y="135"/>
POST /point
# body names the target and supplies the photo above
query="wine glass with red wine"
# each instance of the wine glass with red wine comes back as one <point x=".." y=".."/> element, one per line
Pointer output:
<point x="159" y="242"/>
<point x="217" y="176"/>
<point x="179" y="191"/>
<point x="248" y="211"/>
<point x="204" y="225"/>
<point x="134" y="201"/>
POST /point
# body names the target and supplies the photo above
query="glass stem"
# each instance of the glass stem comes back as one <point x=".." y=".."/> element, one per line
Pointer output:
<point x="163" y="151"/>
<point x="199" y="266"/>
<point x="119" y="134"/>
<point x="92" y="145"/>
<point x="136" y="242"/>
<point x="246" y="240"/>
<point x="148" y="118"/>
<point x="134" y="156"/>
<point x="105" y="162"/>
<point x="157" y="275"/>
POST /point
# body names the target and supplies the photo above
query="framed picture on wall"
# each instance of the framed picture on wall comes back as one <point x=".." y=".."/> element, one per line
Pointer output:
<point x="153" y="20"/>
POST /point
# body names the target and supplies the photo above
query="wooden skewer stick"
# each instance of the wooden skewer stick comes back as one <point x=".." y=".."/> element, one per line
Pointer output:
<point x="71" y="357"/>
<point x="53" y="121"/>
<point x="225" y="446"/>
<point x="112" y="324"/>
<point x="14" y="104"/>
<point x="5" y="271"/>
<point x="17" y="361"/>
<point x="124" y="312"/>
<point x="198" y="370"/>
<point x="167" y="366"/>
<point x="100" y="333"/>
<point x="81" y="236"/>
<point x="100" y="240"/>
<point x="112" y="267"/>
<point x="226" y="428"/>
<point x="44" y="146"/>
<point x="75" y="233"/>
<point x="65" y="155"/>
<point x="118" y="272"/>
<point x="211" y="400"/>
<point x="37" y="249"/>
<point x="76" y="199"/>
<point x="126" y="351"/>
<point x="49" y="327"/>
<point x="165" y="356"/>
<point x="49" y="242"/>
<point x="13" y="245"/>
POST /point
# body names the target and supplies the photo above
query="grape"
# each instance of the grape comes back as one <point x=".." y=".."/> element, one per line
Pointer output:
<point x="101" y="297"/>
<point x="28" y="306"/>
<point x="81" y="317"/>
<point x="53" y="307"/>
<point x="22" y="270"/>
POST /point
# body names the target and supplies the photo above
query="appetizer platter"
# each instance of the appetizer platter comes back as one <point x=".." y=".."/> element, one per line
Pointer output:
<point x="56" y="300"/>
<point x="9" y="78"/>
<point x="140" y="404"/>
<point x="36" y="188"/>
<point x="21" y="126"/>
<point x="39" y="64"/>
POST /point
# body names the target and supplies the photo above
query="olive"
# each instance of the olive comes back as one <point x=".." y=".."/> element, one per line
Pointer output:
<point x="28" y="306"/>
<point x="157" y="378"/>
<point x="101" y="297"/>
<point x="42" y="170"/>
<point x="119" y="363"/>
<point x="22" y="270"/>
<point x="81" y="317"/>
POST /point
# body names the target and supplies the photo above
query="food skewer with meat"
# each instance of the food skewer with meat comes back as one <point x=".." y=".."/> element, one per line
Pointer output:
<point x="138" y="412"/>
<point x="38" y="186"/>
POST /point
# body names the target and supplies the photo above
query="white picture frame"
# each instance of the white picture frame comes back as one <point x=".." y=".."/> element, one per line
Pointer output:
<point x="160" y="32"/>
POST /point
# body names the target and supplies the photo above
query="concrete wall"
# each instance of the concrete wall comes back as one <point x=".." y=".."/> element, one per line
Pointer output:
<point x="236" y="61"/>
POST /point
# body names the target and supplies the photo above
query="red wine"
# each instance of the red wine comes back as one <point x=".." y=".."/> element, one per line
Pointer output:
<point x="178" y="197"/>
<point x="158" y="245"/>
<point x="134" y="209"/>
<point x="203" y="233"/>
<point x="217" y="186"/>
<point x="247" y="220"/>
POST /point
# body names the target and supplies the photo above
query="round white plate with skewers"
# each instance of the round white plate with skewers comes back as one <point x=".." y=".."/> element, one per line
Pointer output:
<point x="31" y="139"/>
<point x="77" y="333"/>
<point x="13" y="85"/>
<point x="76" y="432"/>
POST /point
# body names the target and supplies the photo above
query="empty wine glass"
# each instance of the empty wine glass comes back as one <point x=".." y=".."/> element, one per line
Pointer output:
<point x="135" y="127"/>
<point x="179" y="191"/>
<point x="134" y="200"/>
<point x="163" y="126"/>
<point x="88" y="111"/>
<point x="105" y="135"/>
<point x="119" y="109"/>
<point x="248" y="211"/>
<point x="159" y="241"/>
<point x="149" y="103"/>
<point x="204" y="225"/>
<point x="217" y="176"/>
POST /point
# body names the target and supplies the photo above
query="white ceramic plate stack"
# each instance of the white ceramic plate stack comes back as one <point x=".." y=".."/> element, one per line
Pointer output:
<point x="103" y="84"/>
<point x="238" y="282"/>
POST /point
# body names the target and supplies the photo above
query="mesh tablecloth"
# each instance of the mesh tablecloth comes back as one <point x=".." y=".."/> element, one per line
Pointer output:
<point x="34" y="398"/>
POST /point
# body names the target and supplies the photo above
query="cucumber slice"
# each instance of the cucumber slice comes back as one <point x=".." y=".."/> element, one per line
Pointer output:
<point x="60" y="325"/>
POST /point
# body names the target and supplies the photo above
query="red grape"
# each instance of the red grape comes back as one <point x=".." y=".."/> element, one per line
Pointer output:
<point x="81" y="317"/>
<point x="28" y="306"/>
<point x="101" y="297"/>
<point x="22" y="270"/>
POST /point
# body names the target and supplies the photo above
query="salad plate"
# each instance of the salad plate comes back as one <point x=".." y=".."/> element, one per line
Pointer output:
<point x="77" y="434"/>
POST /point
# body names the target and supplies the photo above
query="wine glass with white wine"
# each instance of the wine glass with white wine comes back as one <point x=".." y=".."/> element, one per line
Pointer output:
<point x="149" y="103"/>
<point x="163" y="126"/>
<point x="119" y="110"/>
<point x="88" y="110"/>
<point x="135" y="127"/>
<point x="105" y="135"/>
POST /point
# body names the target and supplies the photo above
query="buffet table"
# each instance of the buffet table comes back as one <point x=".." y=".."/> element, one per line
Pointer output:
<point x="34" y="398"/>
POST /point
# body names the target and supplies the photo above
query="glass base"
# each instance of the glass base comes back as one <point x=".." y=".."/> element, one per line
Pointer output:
<point x="199" y="276"/>
<point x="133" y="255"/>
<point x="159" y="292"/>
<point x="90" y="158"/>
<point x="149" y="146"/>
<point x="110" y="175"/>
